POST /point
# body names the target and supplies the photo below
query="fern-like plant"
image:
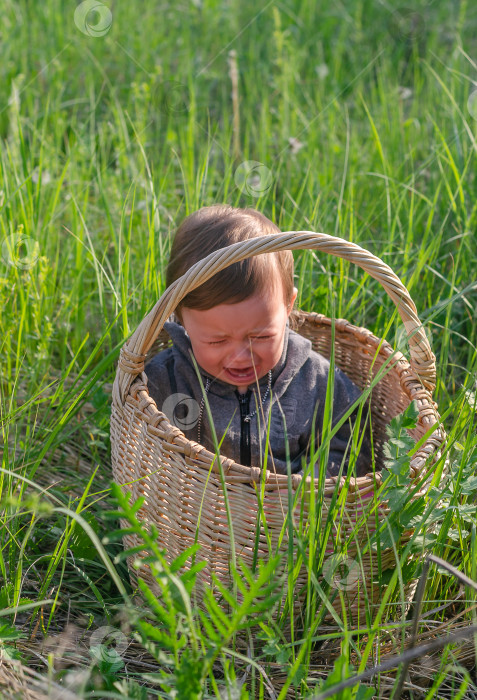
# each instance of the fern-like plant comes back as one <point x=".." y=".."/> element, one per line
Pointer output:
<point x="190" y="644"/>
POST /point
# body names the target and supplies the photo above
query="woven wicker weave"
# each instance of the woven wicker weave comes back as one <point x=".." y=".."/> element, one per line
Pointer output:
<point x="152" y="457"/>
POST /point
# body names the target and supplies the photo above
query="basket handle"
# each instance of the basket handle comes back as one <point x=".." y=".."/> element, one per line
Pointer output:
<point x="134" y="351"/>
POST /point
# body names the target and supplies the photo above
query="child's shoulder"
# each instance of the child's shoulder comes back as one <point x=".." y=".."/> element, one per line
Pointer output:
<point x="301" y="349"/>
<point x="161" y="357"/>
<point x="313" y="367"/>
<point x="179" y="338"/>
<point x="159" y="361"/>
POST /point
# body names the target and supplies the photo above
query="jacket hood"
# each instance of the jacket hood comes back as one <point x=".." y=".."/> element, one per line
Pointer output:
<point x="295" y="352"/>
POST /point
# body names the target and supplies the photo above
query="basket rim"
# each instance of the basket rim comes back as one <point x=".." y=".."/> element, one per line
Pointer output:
<point x="133" y="352"/>
<point x="158" y="425"/>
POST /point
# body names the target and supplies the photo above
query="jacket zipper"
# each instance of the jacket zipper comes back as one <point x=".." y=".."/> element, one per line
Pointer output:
<point x="245" y="449"/>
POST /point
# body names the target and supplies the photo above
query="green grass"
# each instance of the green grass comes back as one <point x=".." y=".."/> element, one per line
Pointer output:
<point x="106" y="143"/>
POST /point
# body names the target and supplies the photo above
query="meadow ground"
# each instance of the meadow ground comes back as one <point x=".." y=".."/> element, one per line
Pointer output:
<point x="353" y="118"/>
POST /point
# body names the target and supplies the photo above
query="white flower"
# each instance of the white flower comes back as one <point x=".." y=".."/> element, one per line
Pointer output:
<point x="322" y="70"/>
<point x="404" y="92"/>
<point x="45" y="176"/>
<point x="471" y="399"/>
<point x="295" y="144"/>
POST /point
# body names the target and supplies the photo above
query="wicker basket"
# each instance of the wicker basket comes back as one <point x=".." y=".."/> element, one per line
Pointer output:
<point x="152" y="457"/>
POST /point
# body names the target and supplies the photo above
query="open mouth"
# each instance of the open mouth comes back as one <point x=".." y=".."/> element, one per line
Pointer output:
<point x="242" y="375"/>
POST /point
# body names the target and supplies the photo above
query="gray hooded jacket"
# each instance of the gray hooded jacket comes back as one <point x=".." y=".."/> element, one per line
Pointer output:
<point x="298" y="384"/>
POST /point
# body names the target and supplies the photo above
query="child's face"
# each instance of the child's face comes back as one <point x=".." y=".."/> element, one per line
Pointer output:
<point x="230" y="339"/>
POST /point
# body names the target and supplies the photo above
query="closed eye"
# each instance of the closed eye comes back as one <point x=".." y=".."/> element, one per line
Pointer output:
<point x="263" y="337"/>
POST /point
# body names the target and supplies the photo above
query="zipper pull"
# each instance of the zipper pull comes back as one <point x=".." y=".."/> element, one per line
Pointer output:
<point x="244" y="401"/>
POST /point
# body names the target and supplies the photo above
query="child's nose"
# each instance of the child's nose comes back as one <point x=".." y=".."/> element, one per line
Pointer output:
<point x="242" y="353"/>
